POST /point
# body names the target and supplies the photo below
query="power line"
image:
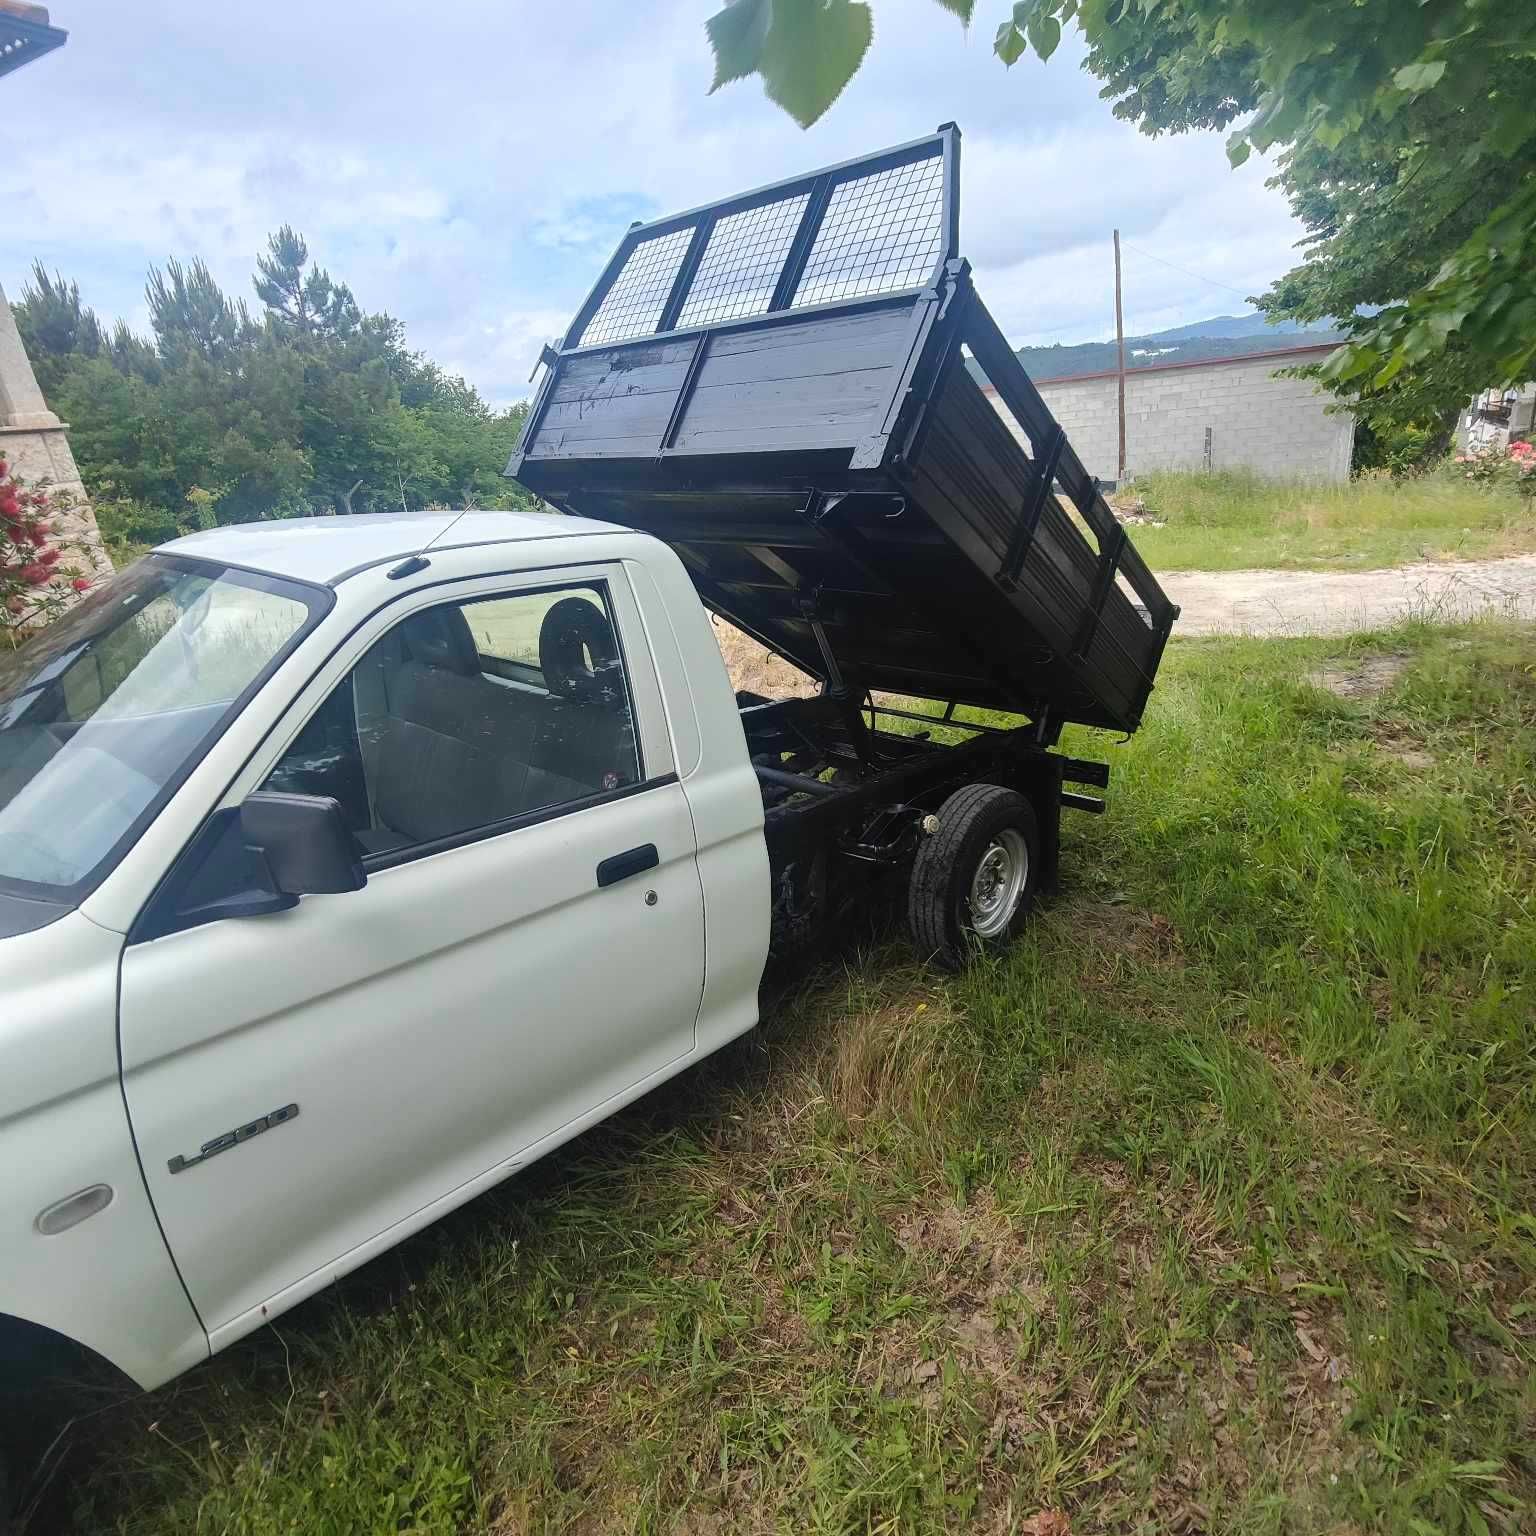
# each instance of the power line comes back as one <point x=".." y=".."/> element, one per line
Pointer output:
<point x="1198" y="277"/>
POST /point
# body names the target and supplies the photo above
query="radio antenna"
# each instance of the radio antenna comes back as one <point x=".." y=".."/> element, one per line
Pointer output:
<point x="419" y="561"/>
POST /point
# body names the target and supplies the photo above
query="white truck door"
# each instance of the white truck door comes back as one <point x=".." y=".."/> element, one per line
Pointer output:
<point x="308" y="1086"/>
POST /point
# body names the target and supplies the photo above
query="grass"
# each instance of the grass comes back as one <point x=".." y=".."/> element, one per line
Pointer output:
<point x="1232" y="521"/>
<point x="1206" y="1209"/>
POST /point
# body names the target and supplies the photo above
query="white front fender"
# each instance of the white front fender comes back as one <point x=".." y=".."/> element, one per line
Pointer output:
<point x="106" y="1281"/>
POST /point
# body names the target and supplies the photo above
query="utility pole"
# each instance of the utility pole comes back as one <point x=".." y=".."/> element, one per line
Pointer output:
<point x="1120" y="350"/>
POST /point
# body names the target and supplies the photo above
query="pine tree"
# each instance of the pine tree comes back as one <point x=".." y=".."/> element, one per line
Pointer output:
<point x="302" y="303"/>
<point x="190" y="312"/>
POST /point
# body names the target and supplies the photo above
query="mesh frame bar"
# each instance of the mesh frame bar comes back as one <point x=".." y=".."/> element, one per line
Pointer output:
<point x="742" y="263"/>
<point x="634" y="303"/>
<point x="878" y="225"/>
<point x="881" y="233"/>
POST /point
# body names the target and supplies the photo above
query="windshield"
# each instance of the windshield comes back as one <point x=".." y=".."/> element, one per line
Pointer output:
<point x="105" y="713"/>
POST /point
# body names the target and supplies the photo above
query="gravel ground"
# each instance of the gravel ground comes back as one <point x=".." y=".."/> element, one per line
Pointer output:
<point x="1263" y="603"/>
<point x="1317" y="602"/>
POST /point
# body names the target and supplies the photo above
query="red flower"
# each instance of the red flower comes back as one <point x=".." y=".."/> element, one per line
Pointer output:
<point x="81" y="584"/>
<point x="37" y="574"/>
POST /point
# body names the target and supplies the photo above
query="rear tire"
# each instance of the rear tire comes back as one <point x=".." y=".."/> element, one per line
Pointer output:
<point x="973" y="880"/>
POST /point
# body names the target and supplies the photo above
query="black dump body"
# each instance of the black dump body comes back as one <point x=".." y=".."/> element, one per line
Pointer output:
<point x="778" y="386"/>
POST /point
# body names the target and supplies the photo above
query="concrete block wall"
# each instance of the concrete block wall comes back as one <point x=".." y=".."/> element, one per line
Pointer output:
<point x="1276" y="427"/>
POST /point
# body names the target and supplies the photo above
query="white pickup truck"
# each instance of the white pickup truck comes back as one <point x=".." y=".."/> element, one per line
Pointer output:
<point x="333" y="890"/>
<point x="348" y="865"/>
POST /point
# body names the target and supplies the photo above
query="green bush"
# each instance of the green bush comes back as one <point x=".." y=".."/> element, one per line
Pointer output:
<point x="1498" y="469"/>
<point x="1400" y="449"/>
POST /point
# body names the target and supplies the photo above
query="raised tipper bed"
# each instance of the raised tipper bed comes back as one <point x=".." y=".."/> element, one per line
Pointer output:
<point x="785" y="386"/>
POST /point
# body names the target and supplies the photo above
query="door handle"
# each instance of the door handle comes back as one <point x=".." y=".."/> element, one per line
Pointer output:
<point x="622" y="865"/>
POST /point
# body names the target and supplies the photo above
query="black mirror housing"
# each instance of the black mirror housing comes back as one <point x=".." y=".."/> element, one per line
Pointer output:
<point x="304" y="841"/>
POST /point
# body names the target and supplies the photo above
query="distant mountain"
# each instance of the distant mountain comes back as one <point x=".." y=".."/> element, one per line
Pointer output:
<point x="1230" y="325"/>
<point x="1220" y="336"/>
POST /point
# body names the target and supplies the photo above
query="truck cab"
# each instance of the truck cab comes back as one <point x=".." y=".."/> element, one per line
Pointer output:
<point x="247" y="1045"/>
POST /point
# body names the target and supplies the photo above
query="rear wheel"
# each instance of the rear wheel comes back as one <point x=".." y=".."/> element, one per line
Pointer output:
<point x="973" y="879"/>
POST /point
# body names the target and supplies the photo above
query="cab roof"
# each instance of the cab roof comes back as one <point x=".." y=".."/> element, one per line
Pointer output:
<point x="327" y="550"/>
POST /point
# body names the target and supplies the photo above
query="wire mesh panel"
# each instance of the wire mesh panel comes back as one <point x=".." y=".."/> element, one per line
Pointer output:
<point x="860" y="230"/>
<point x="633" y="305"/>
<point x="881" y="232"/>
<point x="742" y="261"/>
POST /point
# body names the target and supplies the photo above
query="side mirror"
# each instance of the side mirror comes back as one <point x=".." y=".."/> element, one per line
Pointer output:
<point x="304" y="842"/>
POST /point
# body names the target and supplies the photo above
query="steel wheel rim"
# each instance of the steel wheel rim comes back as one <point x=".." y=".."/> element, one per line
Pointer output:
<point x="998" y="883"/>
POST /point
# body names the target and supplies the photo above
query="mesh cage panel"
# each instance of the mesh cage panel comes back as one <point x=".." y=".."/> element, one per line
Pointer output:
<point x="877" y="226"/>
<point x="880" y="233"/>
<point x="633" y="306"/>
<point x="742" y="262"/>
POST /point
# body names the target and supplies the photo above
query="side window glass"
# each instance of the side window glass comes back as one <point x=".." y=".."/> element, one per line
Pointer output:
<point x="468" y="714"/>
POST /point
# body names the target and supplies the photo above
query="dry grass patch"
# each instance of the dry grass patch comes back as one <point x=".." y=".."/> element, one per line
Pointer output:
<point x="895" y="1061"/>
<point x="1361" y="679"/>
<point x="753" y="668"/>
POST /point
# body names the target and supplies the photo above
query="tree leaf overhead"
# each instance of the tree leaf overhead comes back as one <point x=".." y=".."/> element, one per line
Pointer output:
<point x="1403" y="134"/>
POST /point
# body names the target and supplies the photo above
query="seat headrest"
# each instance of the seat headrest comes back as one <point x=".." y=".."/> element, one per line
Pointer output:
<point x="440" y="637"/>
<point x="577" y="653"/>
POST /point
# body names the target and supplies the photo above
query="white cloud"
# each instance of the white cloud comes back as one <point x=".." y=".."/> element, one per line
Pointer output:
<point x="470" y="171"/>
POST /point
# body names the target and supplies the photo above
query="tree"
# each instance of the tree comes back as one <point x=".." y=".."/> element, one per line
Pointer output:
<point x="302" y="304"/>
<point x="312" y="406"/>
<point x="55" y="324"/>
<point x="1391" y="117"/>
<point x="189" y="311"/>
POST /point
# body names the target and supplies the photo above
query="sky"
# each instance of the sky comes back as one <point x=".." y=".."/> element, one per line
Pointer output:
<point x="469" y="167"/>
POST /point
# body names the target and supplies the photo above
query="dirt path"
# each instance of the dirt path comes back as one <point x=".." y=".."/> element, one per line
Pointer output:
<point x="1318" y="602"/>
<point x="1263" y="603"/>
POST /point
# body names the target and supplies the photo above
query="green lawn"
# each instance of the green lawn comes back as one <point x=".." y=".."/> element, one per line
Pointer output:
<point x="1229" y="521"/>
<point x="1208" y="1209"/>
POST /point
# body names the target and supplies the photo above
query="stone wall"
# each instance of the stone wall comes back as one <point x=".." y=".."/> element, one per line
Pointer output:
<point x="1274" y="426"/>
<point x="35" y="443"/>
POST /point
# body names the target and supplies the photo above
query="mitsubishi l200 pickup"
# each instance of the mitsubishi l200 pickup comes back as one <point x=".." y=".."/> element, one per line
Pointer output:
<point x="350" y="864"/>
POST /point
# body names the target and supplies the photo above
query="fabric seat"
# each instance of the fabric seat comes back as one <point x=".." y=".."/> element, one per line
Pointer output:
<point x="450" y="749"/>
<point x="447" y="749"/>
